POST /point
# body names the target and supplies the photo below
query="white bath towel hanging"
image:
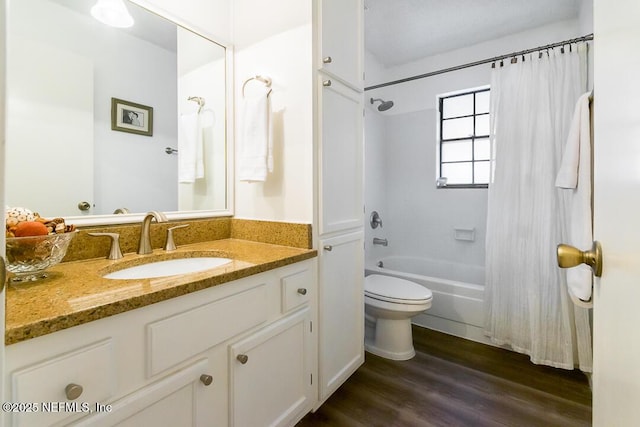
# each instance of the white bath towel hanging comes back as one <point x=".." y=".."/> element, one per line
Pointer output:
<point x="575" y="175"/>
<point x="255" y="151"/>
<point x="190" y="149"/>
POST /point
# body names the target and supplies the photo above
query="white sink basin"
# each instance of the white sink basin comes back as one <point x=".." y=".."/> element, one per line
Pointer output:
<point x="170" y="267"/>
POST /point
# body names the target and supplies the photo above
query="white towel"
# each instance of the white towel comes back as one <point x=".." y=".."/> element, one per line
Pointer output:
<point x="255" y="157"/>
<point x="190" y="149"/>
<point x="575" y="175"/>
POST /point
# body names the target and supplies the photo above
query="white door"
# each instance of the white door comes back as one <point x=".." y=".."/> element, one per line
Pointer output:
<point x="48" y="120"/>
<point x="2" y="238"/>
<point x="616" y="335"/>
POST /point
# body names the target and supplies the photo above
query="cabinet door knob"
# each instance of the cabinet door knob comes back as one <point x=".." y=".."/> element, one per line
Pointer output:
<point x="242" y="358"/>
<point x="327" y="60"/>
<point x="73" y="391"/>
<point x="328" y="248"/>
<point x="206" y="379"/>
<point x="326" y="83"/>
<point x="302" y="291"/>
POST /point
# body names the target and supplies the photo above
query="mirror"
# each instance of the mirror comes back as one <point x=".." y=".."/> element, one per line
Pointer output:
<point x="73" y="83"/>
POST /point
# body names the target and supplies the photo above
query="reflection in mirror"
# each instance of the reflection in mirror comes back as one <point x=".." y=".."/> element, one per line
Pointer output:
<point x="68" y="154"/>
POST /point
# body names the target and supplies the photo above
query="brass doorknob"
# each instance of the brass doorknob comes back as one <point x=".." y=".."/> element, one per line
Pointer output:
<point x="568" y="256"/>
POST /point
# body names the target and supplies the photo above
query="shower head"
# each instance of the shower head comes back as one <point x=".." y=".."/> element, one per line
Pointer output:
<point x="384" y="105"/>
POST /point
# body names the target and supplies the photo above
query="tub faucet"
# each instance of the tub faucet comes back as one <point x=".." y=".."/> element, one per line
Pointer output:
<point x="144" y="246"/>
<point x="382" y="242"/>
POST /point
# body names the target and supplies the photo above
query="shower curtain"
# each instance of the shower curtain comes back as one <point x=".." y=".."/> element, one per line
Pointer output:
<point x="527" y="306"/>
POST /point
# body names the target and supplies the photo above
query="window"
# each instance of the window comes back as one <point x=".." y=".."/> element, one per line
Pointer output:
<point x="464" y="140"/>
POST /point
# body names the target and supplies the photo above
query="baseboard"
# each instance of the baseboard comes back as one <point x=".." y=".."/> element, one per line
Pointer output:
<point x="462" y="330"/>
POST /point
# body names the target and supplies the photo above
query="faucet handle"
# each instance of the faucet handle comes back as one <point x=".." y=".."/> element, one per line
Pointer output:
<point x="375" y="220"/>
<point x="170" y="245"/>
<point x="114" y="252"/>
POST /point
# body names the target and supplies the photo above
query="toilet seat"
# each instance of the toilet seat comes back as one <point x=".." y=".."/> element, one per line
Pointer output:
<point x="395" y="290"/>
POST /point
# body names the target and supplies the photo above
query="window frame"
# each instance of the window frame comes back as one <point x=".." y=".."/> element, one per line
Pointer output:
<point x="472" y="138"/>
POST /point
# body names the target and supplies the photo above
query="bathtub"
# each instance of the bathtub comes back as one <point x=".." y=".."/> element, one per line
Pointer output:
<point x="458" y="291"/>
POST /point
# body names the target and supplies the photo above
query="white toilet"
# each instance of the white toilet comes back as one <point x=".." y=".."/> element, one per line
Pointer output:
<point x="390" y="303"/>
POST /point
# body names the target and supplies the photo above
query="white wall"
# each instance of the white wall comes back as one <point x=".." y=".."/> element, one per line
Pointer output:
<point x="585" y="23"/>
<point x="585" y="18"/>
<point x="122" y="158"/>
<point x="272" y="48"/>
<point x="375" y="185"/>
<point x="204" y="79"/>
<point x="210" y="17"/>
<point x="404" y="94"/>
<point x="419" y="219"/>
<point x="375" y="165"/>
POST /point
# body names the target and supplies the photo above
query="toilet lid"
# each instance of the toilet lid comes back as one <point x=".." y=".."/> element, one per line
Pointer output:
<point x="394" y="289"/>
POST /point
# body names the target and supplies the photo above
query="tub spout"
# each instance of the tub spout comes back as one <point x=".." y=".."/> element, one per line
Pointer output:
<point x="377" y="241"/>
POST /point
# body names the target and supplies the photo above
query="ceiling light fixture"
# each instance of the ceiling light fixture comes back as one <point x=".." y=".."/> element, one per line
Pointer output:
<point x="113" y="13"/>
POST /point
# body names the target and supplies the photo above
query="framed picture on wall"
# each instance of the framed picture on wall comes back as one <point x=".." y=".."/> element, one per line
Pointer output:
<point x="130" y="117"/>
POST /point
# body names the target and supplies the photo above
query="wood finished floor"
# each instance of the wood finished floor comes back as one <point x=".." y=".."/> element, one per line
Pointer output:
<point x="456" y="382"/>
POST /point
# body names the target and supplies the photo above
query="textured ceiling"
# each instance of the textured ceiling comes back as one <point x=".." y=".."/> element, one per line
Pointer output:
<point x="401" y="31"/>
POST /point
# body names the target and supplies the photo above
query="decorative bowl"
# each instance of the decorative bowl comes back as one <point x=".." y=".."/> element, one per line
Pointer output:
<point x="29" y="257"/>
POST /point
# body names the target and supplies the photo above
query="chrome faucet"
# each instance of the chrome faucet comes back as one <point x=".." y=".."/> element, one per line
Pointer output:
<point x="144" y="246"/>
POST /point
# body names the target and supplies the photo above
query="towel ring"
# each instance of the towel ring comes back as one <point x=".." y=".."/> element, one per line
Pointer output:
<point x="265" y="80"/>
<point x="200" y="100"/>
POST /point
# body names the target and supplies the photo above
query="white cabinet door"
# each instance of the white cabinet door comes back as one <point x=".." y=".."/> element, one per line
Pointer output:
<point x="341" y="157"/>
<point x="341" y="319"/>
<point x="341" y="40"/>
<point x="271" y="383"/>
<point x="180" y="399"/>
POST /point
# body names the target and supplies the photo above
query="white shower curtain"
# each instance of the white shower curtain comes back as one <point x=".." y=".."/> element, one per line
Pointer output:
<point x="527" y="304"/>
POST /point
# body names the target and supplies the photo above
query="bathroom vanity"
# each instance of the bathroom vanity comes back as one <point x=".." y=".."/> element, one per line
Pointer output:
<point x="233" y="345"/>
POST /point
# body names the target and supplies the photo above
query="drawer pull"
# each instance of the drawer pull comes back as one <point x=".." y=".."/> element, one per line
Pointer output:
<point x="302" y="291"/>
<point x="206" y="379"/>
<point x="326" y="83"/>
<point x="327" y="60"/>
<point x="328" y="248"/>
<point x="242" y="358"/>
<point x="73" y="391"/>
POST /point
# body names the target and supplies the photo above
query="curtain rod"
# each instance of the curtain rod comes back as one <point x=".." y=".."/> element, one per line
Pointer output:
<point x="483" y="61"/>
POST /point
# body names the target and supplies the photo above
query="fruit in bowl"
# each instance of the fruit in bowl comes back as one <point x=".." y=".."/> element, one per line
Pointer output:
<point x="34" y="243"/>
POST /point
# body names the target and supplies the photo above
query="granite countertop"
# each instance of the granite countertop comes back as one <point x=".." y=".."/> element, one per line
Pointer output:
<point x="75" y="292"/>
